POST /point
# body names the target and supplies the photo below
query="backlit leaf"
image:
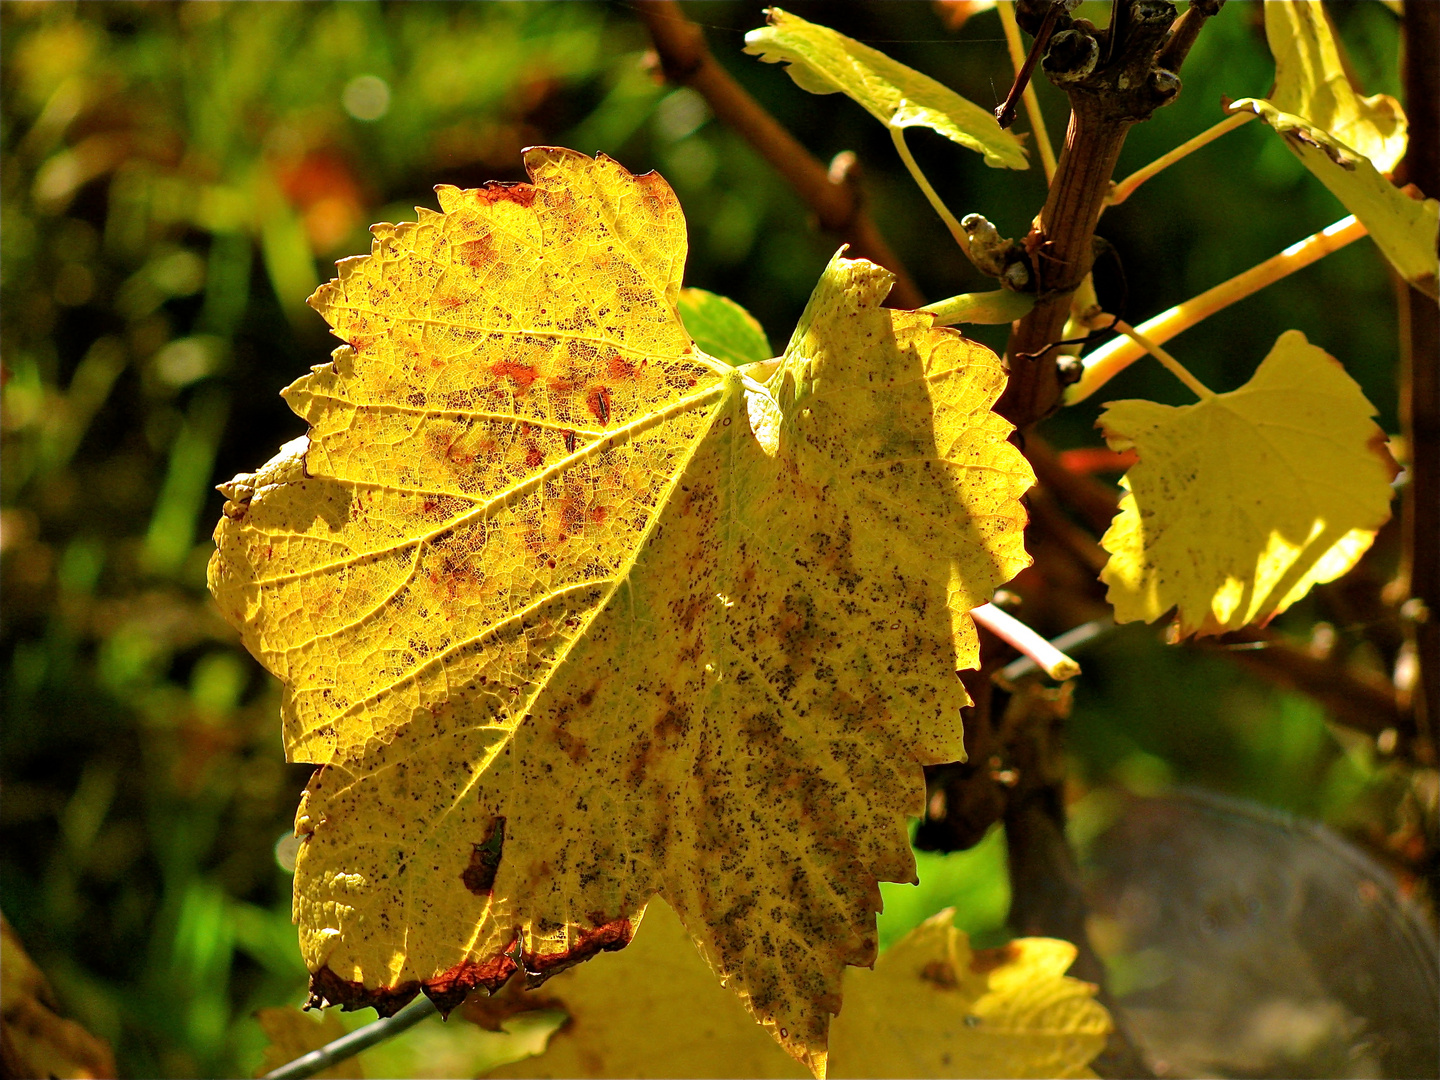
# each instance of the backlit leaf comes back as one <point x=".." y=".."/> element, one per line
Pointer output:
<point x="722" y="328"/>
<point x="1242" y="502"/>
<point x="1405" y="229"/>
<point x="931" y="1007"/>
<point x="825" y="62"/>
<point x="1310" y="82"/>
<point x="573" y="614"/>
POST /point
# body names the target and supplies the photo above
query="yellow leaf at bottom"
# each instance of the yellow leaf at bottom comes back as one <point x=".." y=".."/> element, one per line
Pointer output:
<point x="1241" y="503"/>
<point x="931" y="1007"/>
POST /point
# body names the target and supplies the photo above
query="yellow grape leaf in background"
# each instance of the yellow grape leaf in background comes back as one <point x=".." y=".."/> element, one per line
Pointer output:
<point x="294" y="1032"/>
<point x="825" y="62"/>
<point x="572" y="614"/>
<point x="1310" y="82"/>
<point x="35" y="1040"/>
<point x="931" y="1007"/>
<point x="1405" y="229"/>
<point x="1242" y="502"/>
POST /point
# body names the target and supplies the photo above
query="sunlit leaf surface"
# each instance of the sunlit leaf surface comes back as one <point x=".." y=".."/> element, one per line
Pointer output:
<point x="1242" y="502"/>
<point x="825" y="62"/>
<point x="570" y="619"/>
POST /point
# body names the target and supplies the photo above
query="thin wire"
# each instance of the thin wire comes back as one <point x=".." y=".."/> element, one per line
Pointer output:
<point x="360" y="1039"/>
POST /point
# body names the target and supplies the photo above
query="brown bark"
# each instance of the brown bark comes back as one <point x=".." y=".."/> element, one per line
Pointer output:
<point x="1420" y="374"/>
<point x="1113" y="79"/>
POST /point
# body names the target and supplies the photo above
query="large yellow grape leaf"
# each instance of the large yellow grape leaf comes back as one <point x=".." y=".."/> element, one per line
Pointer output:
<point x="823" y="61"/>
<point x="931" y="1007"/>
<point x="570" y="619"/>
<point x="1242" y="502"/>
<point x="1405" y="229"/>
<point x="1310" y="81"/>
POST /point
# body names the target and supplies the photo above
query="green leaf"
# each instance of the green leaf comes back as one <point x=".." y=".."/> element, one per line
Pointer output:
<point x="1405" y="229"/>
<point x="825" y="62"/>
<point x="722" y="328"/>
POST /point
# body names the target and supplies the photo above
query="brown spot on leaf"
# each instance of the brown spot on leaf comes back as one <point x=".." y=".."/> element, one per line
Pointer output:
<point x="516" y="191"/>
<point x="533" y="456"/>
<point x="672" y="726"/>
<point x="620" y="368"/>
<point x="597" y="400"/>
<point x="522" y="374"/>
<point x="639" y="762"/>
<point x="571" y="745"/>
<point x="476" y="253"/>
<point x="984" y="961"/>
<point x="941" y="973"/>
<point x="479" y="876"/>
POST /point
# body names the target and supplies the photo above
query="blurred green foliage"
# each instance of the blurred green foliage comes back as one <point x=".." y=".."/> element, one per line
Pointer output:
<point x="177" y="178"/>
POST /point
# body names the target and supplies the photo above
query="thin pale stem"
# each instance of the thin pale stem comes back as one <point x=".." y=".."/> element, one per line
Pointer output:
<point x="349" y="1045"/>
<point x="898" y="135"/>
<point x="1010" y="629"/>
<point x="1125" y="188"/>
<point x="1172" y="365"/>
<point x="1031" y="100"/>
<point x="988" y="308"/>
<point x="1110" y="359"/>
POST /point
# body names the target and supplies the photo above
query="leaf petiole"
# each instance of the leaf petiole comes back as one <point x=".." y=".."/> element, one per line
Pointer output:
<point x="360" y="1039"/>
<point x="897" y="134"/>
<point x="1125" y="188"/>
<point x="1110" y="359"/>
<point x="1172" y="365"/>
<point x="1011" y="630"/>
<point x="983" y="308"/>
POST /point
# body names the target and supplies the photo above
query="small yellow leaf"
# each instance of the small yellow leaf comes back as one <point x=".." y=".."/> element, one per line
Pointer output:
<point x="825" y="62"/>
<point x="931" y="1007"/>
<point x="293" y="1032"/>
<point x="1242" y="502"/>
<point x="1405" y="229"/>
<point x="1310" y="82"/>
<point x="573" y="615"/>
